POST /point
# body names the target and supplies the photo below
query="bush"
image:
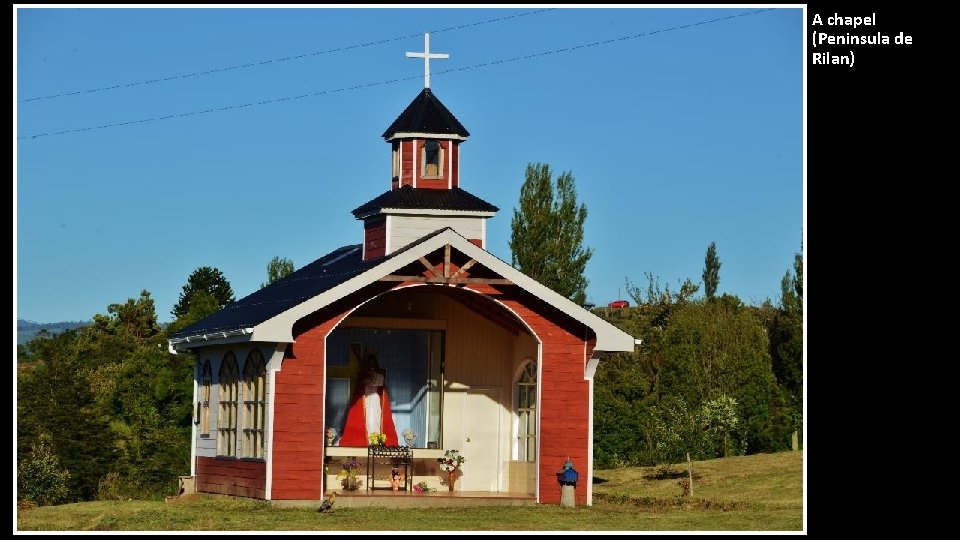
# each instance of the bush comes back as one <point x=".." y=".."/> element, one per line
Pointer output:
<point x="40" y="478"/>
<point x="678" y="430"/>
<point x="722" y="423"/>
<point x="110" y="488"/>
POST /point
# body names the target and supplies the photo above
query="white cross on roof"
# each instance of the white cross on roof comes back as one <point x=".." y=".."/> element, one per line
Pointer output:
<point x="426" y="55"/>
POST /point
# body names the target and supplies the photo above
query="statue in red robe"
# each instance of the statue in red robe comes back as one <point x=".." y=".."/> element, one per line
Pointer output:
<point x="369" y="410"/>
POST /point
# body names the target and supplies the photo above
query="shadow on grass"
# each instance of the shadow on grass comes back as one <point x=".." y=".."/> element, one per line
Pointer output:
<point x="676" y="503"/>
<point x="671" y="474"/>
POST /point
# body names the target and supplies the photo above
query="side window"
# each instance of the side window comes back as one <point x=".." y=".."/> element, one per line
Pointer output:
<point x="526" y="407"/>
<point x="227" y="413"/>
<point x="206" y="382"/>
<point x="254" y="405"/>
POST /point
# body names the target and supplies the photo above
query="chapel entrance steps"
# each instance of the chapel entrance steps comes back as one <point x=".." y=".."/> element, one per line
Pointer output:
<point x="432" y="499"/>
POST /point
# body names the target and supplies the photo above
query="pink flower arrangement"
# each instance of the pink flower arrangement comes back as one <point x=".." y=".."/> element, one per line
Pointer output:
<point x="422" y="487"/>
<point x="451" y="460"/>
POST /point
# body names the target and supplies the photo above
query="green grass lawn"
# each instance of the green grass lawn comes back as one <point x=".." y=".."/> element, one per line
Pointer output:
<point x="760" y="492"/>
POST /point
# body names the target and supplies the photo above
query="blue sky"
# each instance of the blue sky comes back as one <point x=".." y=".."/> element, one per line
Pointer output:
<point x="688" y="134"/>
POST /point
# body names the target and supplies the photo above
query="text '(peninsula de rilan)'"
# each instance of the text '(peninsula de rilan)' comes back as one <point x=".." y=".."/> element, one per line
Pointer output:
<point x="823" y="38"/>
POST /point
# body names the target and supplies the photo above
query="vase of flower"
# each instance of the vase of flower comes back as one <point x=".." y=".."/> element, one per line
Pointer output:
<point x="452" y="478"/>
<point x="450" y="462"/>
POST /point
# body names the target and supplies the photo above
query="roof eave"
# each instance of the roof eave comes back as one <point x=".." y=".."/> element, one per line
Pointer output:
<point x="424" y="135"/>
<point x="426" y="212"/>
<point x="222" y="337"/>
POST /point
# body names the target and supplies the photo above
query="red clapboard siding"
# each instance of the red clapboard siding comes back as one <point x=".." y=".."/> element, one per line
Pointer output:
<point x="406" y="163"/>
<point x="374" y="238"/>
<point x="431" y="183"/>
<point x="232" y="477"/>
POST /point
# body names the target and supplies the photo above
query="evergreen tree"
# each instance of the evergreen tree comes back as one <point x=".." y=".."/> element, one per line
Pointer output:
<point x="546" y="240"/>
<point x="56" y="402"/>
<point x="711" y="271"/>
<point x="278" y="268"/>
<point x="206" y="279"/>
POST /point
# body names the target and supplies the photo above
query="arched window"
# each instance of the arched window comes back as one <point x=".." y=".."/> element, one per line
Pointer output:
<point x="432" y="159"/>
<point x="206" y="382"/>
<point x="254" y="405"/>
<point x="227" y="412"/>
<point x="526" y="406"/>
<point x="396" y="160"/>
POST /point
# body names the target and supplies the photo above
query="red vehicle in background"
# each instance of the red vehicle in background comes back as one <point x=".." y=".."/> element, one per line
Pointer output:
<point x="619" y="304"/>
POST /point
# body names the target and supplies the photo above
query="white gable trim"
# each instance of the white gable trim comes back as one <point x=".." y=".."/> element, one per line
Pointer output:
<point x="279" y="329"/>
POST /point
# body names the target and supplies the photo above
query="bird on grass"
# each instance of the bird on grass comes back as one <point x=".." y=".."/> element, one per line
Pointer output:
<point x="328" y="502"/>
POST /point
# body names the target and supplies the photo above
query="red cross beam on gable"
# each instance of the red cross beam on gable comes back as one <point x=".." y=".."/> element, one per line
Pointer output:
<point x="446" y="272"/>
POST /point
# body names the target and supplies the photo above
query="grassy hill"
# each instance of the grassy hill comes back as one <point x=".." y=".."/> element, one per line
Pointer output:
<point x="760" y="492"/>
<point x="27" y="329"/>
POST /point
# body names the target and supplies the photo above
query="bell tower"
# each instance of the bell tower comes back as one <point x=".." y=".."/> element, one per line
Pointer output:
<point x="425" y="142"/>
<point x="425" y="193"/>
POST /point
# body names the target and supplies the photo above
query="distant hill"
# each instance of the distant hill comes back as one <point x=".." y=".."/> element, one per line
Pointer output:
<point x="27" y="329"/>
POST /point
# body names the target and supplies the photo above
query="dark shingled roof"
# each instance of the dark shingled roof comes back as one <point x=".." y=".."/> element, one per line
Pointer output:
<point x="321" y="275"/>
<point x="425" y="199"/>
<point x="426" y="114"/>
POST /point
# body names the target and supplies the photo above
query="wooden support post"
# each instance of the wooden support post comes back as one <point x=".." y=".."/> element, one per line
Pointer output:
<point x="690" y="473"/>
<point x="446" y="261"/>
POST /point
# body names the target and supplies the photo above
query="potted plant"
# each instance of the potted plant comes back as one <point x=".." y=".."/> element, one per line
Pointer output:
<point x="350" y="474"/>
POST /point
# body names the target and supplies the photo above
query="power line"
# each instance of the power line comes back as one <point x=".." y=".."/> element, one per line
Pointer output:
<point x="221" y="109"/>
<point x="598" y="43"/>
<point x="278" y="60"/>
<point x="401" y="79"/>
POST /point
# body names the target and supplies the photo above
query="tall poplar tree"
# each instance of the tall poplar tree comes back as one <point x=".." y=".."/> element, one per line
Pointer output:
<point x="546" y="240"/>
<point x="711" y="270"/>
